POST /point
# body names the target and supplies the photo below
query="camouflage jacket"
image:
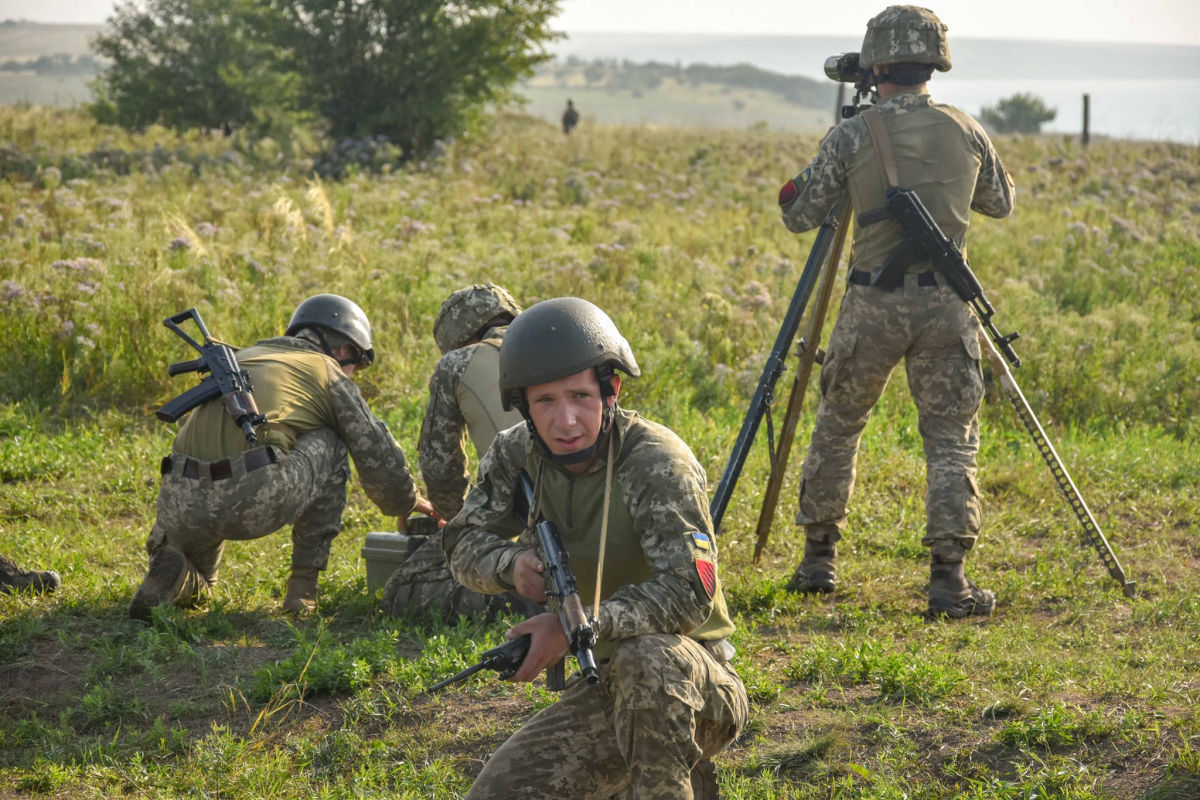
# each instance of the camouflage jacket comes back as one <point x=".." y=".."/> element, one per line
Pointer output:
<point x="941" y="153"/>
<point x="300" y="389"/>
<point x="660" y="571"/>
<point x="464" y="401"/>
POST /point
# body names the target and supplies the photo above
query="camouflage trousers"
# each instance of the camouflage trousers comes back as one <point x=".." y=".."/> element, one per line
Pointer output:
<point x="933" y="331"/>
<point x="663" y="703"/>
<point x="423" y="585"/>
<point x="306" y="488"/>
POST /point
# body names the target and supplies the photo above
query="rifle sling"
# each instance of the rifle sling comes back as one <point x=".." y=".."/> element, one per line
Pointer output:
<point x="883" y="147"/>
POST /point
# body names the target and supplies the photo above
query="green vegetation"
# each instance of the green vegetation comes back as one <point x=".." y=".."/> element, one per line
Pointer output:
<point x="1021" y="113"/>
<point x="1071" y="691"/>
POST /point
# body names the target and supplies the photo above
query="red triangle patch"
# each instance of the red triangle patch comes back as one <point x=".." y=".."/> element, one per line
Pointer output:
<point x="708" y="575"/>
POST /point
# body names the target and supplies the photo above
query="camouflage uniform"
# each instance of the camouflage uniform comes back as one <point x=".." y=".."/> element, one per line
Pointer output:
<point x="667" y="695"/>
<point x="316" y="416"/>
<point x="945" y="156"/>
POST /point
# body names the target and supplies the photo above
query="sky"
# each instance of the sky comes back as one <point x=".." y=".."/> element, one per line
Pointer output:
<point x="1144" y="21"/>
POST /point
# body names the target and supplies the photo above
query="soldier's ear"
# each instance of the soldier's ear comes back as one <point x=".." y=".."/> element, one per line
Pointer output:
<point x="615" y="382"/>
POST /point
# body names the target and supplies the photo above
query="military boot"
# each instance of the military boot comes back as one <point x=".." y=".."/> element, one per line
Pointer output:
<point x="301" y="597"/>
<point x="15" y="579"/>
<point x="951" y="594"/>
<point x="816" y="573"/>
<point x="163" y="584"/>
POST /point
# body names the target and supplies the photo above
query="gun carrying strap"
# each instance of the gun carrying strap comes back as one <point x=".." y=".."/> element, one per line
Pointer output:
<point x="883" y="147"/>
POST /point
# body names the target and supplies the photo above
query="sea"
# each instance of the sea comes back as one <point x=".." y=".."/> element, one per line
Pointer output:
<point x="1135" y="91"/>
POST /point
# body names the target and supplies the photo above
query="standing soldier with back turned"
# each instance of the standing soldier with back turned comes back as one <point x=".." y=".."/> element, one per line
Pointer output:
<point x="943" y="155"/>
<point x="628" y="499"/>
<point x="464" y="402"/>
<point x="216" y="487"/>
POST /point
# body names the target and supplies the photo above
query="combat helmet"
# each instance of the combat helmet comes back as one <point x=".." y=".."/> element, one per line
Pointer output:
<point x="467" y="311"/>
<point x="905" y="34"/>
<point x="338" y="314"/>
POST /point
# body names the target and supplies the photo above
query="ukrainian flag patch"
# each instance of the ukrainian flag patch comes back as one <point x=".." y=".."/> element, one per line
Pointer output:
<point x="701" y="540"/>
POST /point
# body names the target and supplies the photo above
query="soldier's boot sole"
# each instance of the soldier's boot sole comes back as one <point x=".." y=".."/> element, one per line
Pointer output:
<point x="301" y="595"/>
<point x="163" y="582"/>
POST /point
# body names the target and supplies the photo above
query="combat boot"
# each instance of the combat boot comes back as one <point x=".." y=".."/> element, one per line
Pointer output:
<point x="15" y="579"/>
<point x="163" y="583"/>
<point x="301" y="597"/>
<point x="951" y="594"/>
<point x="817" y="573"/>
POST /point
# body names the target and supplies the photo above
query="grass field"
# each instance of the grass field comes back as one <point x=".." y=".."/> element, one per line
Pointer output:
<point x="1069" y="691"/>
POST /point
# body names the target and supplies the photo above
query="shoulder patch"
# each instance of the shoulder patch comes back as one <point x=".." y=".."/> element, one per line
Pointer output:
<point x="791" y="189"/>
<point x="701" y="540"/>
<point x="707" y="572"/>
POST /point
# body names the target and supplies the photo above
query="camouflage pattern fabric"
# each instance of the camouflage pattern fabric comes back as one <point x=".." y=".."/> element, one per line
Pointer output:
<point x="663" y="703"/>
<point x="423" y="586"/>
<point x="932" y="330"/>
<point x="905" y="33"/>
<point x="664" y="700"/>
<point x="466" y="311"/>
<point x="306" y="489"/>
<point x="943" y="155"/>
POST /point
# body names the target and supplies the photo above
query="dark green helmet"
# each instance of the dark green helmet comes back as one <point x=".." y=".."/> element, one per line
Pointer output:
<point x="555" y="339"/>
<point x="338" y="314"/>
<point x="905" y="34"/>
<point x="467" y="311"/>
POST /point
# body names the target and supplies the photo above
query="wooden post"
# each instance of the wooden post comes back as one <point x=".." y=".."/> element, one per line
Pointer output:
<point x="1087" y="117"/>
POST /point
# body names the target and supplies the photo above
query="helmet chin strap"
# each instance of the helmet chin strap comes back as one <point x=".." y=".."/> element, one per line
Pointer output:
<point x="345" y="362"/>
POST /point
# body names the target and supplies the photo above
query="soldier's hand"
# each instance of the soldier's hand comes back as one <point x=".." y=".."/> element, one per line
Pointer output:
<point x="547" y="645"/>
<point x="527" y="576"/>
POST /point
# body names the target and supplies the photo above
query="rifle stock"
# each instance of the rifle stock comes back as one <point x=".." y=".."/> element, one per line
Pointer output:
<point x="505" y="659"/>
<point x="764" y="394"/>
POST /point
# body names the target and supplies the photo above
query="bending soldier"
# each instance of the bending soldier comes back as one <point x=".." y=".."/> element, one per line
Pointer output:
<point x="668" y="698"/>
<point x="214" y="489"/>
<point x="463" y="401"/>
<point x="943" y="155"/>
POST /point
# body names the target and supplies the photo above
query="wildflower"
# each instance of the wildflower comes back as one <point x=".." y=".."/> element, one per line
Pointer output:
<point x="11" y="290"/>
<point x="179" y="243"/>
<point x="206" y="230"/>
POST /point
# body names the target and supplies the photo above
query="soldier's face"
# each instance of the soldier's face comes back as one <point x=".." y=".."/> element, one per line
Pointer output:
<point x="568" y="412"/>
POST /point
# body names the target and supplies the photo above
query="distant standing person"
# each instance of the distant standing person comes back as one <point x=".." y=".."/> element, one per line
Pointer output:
<point x="570" y="117"/>
<point x="216" y="488"/>
<point x="943" y="155"/>
<point x="464" y="402"/>
<point x="15" y="579"/>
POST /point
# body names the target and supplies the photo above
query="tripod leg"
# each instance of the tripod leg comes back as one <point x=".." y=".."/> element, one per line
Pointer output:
<point x="807" y="355"/>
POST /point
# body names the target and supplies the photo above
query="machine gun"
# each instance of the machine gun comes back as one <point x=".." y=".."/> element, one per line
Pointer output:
<point x="560" y="584"/>
<point x="505" y="659"/>
<point x="923" y="239"/>
<point x="225" y="379"/>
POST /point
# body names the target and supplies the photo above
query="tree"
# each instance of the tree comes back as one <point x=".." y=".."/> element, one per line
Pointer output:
<point x="1021" y="113"/>
<point x="411" y="70"/>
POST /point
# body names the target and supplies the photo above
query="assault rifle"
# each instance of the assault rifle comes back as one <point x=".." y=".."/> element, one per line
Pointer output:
<point x="560" y="584"/>
<point x="505" y="659"/>
<point x="225" y="379"/>
<point x="923" y="239"/>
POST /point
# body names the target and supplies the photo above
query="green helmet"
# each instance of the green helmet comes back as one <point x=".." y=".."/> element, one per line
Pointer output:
<point x="905" y="34"/>
<point x="338" y="314"/>
<point x="555" y="339"/>
<point x="466" y="311"/>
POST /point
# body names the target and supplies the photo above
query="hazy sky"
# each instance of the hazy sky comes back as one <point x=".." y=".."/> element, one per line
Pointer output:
<point x="1151" y="21"/>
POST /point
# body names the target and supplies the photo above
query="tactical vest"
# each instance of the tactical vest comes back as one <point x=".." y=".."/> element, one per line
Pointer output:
<point x="935" y="158"/>
<point x="291" y="387"/>
<point x="478" y="395"/>
<point x="575" y="504"/>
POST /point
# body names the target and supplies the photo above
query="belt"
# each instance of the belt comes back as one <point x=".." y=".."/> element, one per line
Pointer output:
<point x="863" y="278"/>
<point x="219" y="470"/>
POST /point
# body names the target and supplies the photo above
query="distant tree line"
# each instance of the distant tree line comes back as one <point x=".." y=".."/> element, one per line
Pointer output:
<point x="630" y="76"/>
<point x="57" y="64"/>
<point x="413" y="71"/>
